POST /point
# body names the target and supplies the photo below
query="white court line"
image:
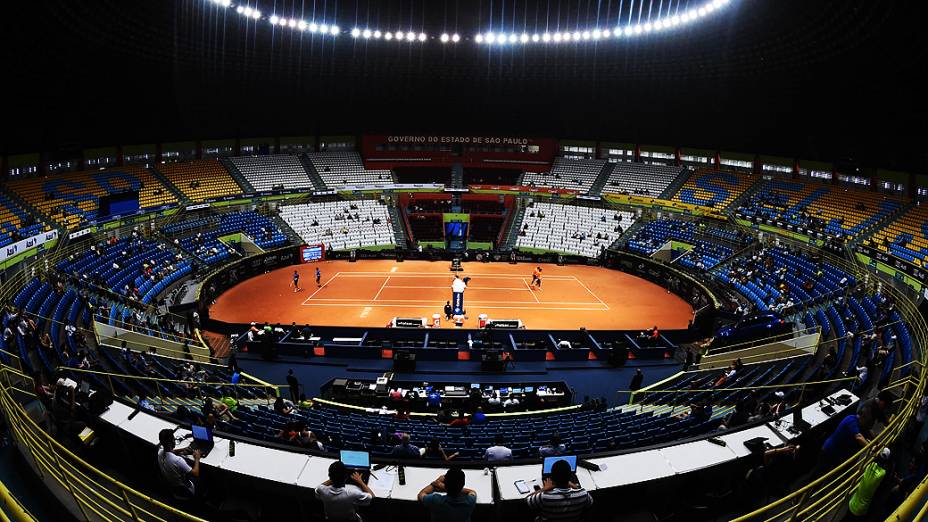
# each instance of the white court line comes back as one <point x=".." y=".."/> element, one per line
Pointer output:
<point x="321" y="287"/>
<point x="426" y="302"/>
<point x="591" y="293"/>
<point x="448" y="276"/>
<point x="487" y="307"/>
<point x="469" y="288"/>
<point x="529" y="287"/>
<point x="384" y="285"/>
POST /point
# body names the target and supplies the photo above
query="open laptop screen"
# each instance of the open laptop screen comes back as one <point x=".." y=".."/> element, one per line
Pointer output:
<point x="549" y="461"/>
<point x="355" y="459"/>
<point x="201" y="433"/>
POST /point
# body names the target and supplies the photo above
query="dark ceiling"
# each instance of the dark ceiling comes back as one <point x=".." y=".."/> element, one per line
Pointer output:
<point x="823" y="79"/>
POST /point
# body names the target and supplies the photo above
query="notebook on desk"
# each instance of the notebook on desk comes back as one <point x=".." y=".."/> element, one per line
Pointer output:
<point x="357" y="461"/>
<point x="202" y="439"/>
<point x="549" y="462"/>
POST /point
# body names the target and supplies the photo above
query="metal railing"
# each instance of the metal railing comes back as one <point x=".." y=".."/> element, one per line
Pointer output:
<point x="11" y="509"/>
<point x="87" y="492"/>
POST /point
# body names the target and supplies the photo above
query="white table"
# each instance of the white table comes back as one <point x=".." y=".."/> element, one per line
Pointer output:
<point x="814" y="415"/>
<point x="418" y="478"/>
<point x="631" y="468"/>
<point x="507" y="476"/>
<point x="266" y="463"/>
<point x="697" y="455"/>
<point x="737" y="439"/>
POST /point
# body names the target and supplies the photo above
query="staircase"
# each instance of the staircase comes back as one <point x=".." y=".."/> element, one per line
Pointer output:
<point x="181" y="198"/>
<point x="628" y="233"/>
<point x="318" y="183"/>
<point x="512" y="232"/>
<point x="237" y="176"/>
<point x="292" y="236"/>
<point x="597" y="187"/>
<point x="747" y="194"/>
<point x="882" y="223"/>
<point x="457" y="176"/>
<point x="676" y="184"/>
<point x="399" y="227"/>
<point x="26" y="207"/>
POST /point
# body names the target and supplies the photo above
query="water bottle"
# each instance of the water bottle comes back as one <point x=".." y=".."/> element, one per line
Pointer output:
<point x="231" y="448"/>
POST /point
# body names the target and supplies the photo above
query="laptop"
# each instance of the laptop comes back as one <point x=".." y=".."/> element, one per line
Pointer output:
<point x="202" y="439"/>
<point x="357" y="461"/>
<point x="549" y="462"/>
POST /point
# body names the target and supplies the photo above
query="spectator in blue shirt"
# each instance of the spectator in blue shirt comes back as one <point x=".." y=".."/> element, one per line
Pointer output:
<point x="404" y="449"/>
<point x="553" y="448"/>
<point x="847" y="439"/>
<point x="455" y="505"/>
<point x="434" y="399"/>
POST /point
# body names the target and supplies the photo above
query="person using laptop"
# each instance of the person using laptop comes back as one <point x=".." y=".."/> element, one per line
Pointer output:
<point x="341" y="499"/>
<point x="447" y="499"/>
<point x="560" y="499"/>
<point x="174" y="469"/>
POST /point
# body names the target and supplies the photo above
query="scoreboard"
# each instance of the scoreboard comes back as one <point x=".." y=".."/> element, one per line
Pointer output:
<point x="312" y="253"/>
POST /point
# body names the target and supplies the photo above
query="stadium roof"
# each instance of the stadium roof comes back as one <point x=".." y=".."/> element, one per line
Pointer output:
<point x="826" y="79"/>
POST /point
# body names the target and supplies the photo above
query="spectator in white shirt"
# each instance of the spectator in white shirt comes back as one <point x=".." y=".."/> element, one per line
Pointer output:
<point x="341" y="500"/>
<point x="498" y="452"/>
<point x="174" y="469"/>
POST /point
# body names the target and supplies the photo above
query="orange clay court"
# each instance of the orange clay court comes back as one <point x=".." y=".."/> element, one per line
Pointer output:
<point x="370" y="293"/>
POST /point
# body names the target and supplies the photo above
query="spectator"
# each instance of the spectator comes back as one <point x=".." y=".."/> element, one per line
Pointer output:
<point x="553" y="448"/>
<point x="405" y="449"/>
<point x="879" y="406"/>
<point x="281" y="407"/>
<point x="873" y="475"/>
<point x="340" y="499"/>
<point x="498" y="452"/>
<point x="635" y="385"/>
<point x="461" y="420"/>
<point x="560" y="499"/>
<point x="174" y="469"/>
<point x="478" y="417"/>
<point x="846" y="439"/>
<point x="434" y="399"/>
<point x="294" y="385"/>
<point x="434" y="451"/>
<point x="455" y="505"/>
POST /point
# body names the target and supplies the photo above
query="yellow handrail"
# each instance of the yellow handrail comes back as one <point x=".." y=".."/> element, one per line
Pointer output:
<point x="17" y="512"/>
<point x="94" y="494"/>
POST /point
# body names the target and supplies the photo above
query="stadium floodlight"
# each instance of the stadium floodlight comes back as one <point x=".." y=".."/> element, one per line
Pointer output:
<point x="606" y="33"/>
<point x="291" y="22"/>
<point x="576" y="36"/>
<point x="355" y="33"/>
<point x="557" y="37"/>
<point x="513" y="38"/>
<point x="444" y="38"/>
<point x="301" y="25"/>
<point x="455" y="38"/>
<point x="411" y="36"/>
<point x="256" y="14"/>
<point x="388" y="35"/>
<point x="478" y="38"/>
<point x="490" y="37"/>
<point x="366" y="33"/>
<point x="239" y="9"/>
<point x="273" y="19"/>
<point x="422" y="37"/>
<point x="247" y="11"/>
<point x="399" y="35"/>
<point x="536" y="37"/>
<point x="524" y="38"/>
<point x="323" y="28"/>
<point x="226" y="3"/>
<point x="586" y="35"/>
<point x="313" y="27"/>
<point x="702" y="11"/>
<point x="597" y="34"/>
<point x="647" y="27"/>
<point x="377" y="34"/>
<point x="335" y="30"/>
<point x="546" y="37"/>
